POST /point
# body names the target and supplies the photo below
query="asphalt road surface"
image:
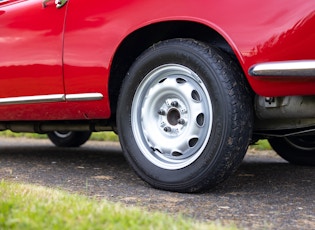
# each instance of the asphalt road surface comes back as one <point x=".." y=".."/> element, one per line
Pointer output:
<point x="265" y="193"/>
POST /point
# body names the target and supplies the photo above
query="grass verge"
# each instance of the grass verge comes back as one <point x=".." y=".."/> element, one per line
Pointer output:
<point x="261" y="145"/>
<point x="97" y="136"/>
<point x="34" y="207"/>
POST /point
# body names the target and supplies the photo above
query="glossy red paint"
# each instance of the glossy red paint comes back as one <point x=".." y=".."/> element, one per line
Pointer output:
<point x="31" y="49"/>
<point x="31" y="54"/>
<point x="70" y="50"/>
<point x="265" y="31"/>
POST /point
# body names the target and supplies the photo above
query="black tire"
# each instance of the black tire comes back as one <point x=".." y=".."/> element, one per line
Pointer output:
<point x="298" y="150"/>
<point x="69" y="138"/>
<point x="184" y="116"/>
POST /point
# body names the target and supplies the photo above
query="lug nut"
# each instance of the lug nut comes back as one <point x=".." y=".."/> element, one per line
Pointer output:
<point x="181" y="121"/>
<point x="167" y="129"/>
<point x="174" y="103"/>
<point x="161" y="112"/>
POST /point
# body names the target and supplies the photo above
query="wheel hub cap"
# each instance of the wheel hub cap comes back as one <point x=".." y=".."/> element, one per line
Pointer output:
<point x="173" y="118"/>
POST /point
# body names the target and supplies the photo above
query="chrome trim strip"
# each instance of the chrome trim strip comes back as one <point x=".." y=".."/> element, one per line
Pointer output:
<point x="32" y="99"/>
<point x="84" y="97"/>
<point x="51" y="98"/>
<point x="304" y="68"/>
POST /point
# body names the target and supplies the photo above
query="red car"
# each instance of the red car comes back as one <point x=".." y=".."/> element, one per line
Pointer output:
<point x="187" y="85"/>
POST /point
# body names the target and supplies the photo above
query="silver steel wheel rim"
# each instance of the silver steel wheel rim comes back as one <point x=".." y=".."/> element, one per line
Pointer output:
<point x="62" y="134"/>
<point x="171" y="116"/>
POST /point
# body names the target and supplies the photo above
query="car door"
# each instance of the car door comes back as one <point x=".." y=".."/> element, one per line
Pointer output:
<point x="31" y="43"/>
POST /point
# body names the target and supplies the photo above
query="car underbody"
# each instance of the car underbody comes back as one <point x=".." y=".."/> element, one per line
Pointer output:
<point x="274" y="117"/>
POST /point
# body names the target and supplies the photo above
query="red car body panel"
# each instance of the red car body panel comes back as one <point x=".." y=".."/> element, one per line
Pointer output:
<point x="70" y="50"/>
<point x="31" y="50"/>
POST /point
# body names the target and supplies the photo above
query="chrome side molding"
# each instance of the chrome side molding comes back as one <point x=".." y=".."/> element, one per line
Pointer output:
<point x="84" y="97"/>
<point x="303" y="68"/>
<point x="51" y="98"/>
<point x="32" y="99"/>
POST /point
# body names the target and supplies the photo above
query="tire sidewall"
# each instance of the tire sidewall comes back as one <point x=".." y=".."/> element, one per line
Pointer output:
<point x="291" y="153"/>
<point x="74" y="139"/>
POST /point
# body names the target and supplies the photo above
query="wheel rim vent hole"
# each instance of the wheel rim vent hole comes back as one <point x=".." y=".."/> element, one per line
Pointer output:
<point x="180" y="80"/>
<point x="156" y="150"/>
<point x="200" y="119"/>
<point x="162" y="80"/>
<point x="192" y="142"/>
<point x="195" y="95"/>
<point x="176" y="154"/>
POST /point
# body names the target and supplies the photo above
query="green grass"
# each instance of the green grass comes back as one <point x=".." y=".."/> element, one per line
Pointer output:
<point x="104" y="136"/>
<point x="97" y="136"/>
<point x="30" y="207"/>
<point x="261" y="145"/>
<point x="8" y="133"/>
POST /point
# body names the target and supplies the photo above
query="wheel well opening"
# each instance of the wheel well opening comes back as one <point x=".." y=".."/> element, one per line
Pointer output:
<point x="140" y="40"/>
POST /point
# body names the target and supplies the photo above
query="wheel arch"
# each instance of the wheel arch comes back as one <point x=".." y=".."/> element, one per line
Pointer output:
<point x="134" y="44"/>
